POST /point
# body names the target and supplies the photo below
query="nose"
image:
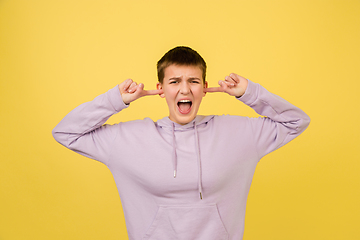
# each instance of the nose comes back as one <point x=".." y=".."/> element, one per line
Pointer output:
<point x="184" y="88"/>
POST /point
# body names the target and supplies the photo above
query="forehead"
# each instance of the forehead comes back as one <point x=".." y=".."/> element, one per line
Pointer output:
<point x="182" y="71"/>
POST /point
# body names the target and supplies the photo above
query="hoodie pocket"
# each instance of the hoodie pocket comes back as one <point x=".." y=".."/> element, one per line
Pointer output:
<point x="187" y="223"/>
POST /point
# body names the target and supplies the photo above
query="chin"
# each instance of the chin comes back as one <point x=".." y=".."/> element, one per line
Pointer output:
<point x="183" y="120"/>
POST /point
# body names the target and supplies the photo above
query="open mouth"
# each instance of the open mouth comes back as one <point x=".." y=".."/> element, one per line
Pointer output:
<point x="184" y="106"/>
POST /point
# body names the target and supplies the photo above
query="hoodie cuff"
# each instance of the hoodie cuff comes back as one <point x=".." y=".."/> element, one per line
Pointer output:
<point x="115" y="99"/>
<point x="250" y="93"/>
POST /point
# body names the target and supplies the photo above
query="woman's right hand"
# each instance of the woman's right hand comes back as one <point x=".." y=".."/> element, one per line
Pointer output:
<point x="130" y="91"/>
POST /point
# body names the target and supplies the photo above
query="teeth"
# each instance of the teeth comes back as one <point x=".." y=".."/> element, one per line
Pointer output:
<point x="185" y="101"/>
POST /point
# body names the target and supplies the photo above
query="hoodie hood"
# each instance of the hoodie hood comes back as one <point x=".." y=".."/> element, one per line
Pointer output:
<point x="172" y="127"/>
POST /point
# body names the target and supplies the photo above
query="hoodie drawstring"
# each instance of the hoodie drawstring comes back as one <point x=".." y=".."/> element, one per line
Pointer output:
<point x="174" y="150"/>
<point x="197" y="146"/>
<point x="198" y="160"/>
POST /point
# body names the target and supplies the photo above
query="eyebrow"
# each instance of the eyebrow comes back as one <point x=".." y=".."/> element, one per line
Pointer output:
<point x="175" y="78"/>
<point x="179" y="78"/>
<point x="192" y="78"/>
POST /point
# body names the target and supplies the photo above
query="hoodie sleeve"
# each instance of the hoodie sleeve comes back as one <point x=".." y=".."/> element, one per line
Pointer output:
<point x="281" y="124"/>
<point x="82" y="129"/>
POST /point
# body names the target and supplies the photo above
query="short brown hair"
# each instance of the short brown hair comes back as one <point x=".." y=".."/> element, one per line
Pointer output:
<point x="180" y="56"/>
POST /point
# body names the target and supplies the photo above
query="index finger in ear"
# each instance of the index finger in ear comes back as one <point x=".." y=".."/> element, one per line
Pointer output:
<point x="154" y="92"/>
<point x="214" y="89"/>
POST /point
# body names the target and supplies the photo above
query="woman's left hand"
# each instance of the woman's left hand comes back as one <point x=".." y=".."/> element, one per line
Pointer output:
<point x="233" y="85"/>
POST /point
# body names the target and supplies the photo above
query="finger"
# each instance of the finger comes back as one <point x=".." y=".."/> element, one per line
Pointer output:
<point x="126" y="84"/>
<point x="224" y="84"/>
<point x="132" y="87"/>
<point x="235" y="77"/>
<point x="217" y="89"/>
<point x="153" y="92"/>
<point x="138" y="89"/>
<point x="230" y="82"/>
<point x="214" y="89"/>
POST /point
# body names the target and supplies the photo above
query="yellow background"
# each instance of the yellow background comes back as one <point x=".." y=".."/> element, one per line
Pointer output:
<point x="55" y="55"/>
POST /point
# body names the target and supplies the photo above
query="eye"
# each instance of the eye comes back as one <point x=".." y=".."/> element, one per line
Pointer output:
<point x="173" y="82"/>
<point x="195" y="81"/>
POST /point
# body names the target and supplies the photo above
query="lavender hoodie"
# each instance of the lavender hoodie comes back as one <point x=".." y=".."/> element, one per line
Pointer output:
<point x="182" y="181"/>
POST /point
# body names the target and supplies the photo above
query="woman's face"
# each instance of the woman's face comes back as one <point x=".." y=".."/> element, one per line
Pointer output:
<point x="183" y="89"/>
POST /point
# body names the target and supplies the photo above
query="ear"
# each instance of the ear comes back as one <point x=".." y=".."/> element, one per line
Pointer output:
<point x="205" y="86"/>
<point x="158" y="87"/>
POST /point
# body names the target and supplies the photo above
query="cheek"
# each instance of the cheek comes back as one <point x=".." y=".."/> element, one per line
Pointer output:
<point x="198" y="93"/>
<point x="170" y="95"/>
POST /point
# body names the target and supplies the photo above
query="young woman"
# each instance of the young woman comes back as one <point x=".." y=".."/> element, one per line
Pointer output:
<point x="185" y="176"/>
